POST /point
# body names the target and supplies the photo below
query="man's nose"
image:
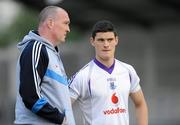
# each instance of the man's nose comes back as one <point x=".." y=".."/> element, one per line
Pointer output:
<point x="106" y="43"/>
<point x="68" y="29"/>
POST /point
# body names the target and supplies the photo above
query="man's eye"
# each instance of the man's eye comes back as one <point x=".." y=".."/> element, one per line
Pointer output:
<point x="100" y="40"/>
<point x="109" y="40"/>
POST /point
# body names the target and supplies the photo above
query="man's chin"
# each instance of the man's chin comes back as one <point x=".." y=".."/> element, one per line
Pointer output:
<point x="62" y="41"/>
<point x="106" y="58"/>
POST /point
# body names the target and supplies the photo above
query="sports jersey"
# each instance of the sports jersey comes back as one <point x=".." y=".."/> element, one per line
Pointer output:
<point x="42" y="89"/>
<point x="102" y="93"/>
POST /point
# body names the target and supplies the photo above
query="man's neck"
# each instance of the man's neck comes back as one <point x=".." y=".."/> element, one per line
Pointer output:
<point x="46" y="35"/>
<point x="107" y="62"/>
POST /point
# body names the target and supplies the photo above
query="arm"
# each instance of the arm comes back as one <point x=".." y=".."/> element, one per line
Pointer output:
<point x="141" y="107"/>
<point x="32" y="72"/>
<point x="72" y="87"/>
<point x="72" y="100"/>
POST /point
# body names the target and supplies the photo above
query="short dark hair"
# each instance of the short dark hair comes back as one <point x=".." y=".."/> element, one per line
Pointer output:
<point x="103" y="26"/>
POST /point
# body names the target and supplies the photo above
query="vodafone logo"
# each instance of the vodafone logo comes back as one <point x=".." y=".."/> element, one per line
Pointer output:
<point x="117" y="110"/>
<point x="114" y="98"/>
<point x="114" y="111"/>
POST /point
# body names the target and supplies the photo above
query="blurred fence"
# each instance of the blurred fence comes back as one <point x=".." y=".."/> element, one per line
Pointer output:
<point x="8" y="57"/>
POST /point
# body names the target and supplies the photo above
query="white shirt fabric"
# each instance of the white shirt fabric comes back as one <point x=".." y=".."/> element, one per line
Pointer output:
<point x="102" y="93"/>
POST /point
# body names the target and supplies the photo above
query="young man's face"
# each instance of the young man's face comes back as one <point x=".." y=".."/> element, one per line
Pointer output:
<point x="104" y="43"/>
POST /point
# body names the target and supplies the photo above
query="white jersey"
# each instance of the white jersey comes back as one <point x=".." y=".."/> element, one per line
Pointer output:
<point x="102" y="93"/>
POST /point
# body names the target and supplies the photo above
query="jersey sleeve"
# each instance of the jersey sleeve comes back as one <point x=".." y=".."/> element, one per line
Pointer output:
<point x="134" y="79"/>
<point x="74" y="87"/>
<point x="33" y="64"/>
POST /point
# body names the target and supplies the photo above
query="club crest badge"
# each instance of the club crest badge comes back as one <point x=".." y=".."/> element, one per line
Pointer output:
<point x="112" y="85"/>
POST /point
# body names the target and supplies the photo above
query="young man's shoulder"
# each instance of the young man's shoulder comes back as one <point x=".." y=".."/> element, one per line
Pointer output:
<point x="85" y="69"/>
<point x="124" y="65"/>
<point x="82" y="74"/>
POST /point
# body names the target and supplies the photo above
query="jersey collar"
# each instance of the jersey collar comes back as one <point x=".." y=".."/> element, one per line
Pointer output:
<point x="109" y="70"/>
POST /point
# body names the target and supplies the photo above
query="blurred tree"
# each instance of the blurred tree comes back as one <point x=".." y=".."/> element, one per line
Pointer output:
<point x="25" y="21"/>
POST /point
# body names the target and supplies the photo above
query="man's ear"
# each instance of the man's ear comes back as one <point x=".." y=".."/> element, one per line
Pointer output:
<point x="92" y="41"/>
<point x="50" y="23"/>
<point x="117" y="39"/>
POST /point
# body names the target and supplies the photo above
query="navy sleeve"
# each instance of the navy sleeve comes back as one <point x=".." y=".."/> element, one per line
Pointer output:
<point x="33" y="64"/>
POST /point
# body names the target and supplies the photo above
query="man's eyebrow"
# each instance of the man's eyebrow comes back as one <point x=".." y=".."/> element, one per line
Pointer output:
<point x="100" y="38"/>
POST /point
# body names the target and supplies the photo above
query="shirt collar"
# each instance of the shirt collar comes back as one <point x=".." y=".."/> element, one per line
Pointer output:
<point x="102" y="66"/>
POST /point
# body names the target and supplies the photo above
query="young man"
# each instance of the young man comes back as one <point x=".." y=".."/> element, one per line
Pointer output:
<point x="102" y="87"/>
<point x="42" y="89"/>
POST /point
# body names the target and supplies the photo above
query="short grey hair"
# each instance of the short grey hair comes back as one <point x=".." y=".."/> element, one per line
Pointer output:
<point x="49" y="11"/>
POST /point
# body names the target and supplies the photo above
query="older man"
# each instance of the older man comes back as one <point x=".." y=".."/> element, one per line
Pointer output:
<point x="43" y="96"/>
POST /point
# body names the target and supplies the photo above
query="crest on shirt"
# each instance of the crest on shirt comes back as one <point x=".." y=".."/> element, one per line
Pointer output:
<point x="112" y="85"/>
